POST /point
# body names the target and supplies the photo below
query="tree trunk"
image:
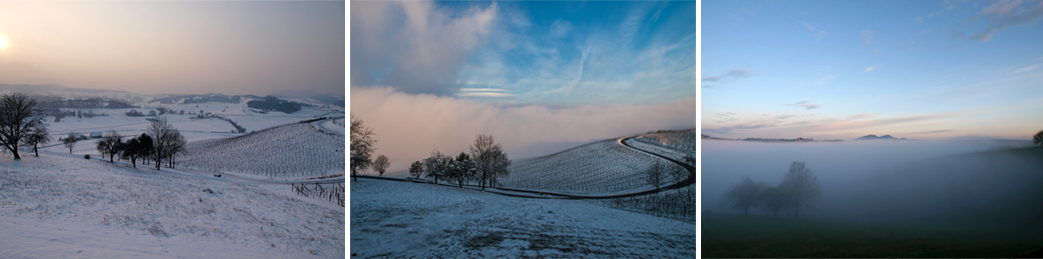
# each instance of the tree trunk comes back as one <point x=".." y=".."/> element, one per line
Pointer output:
<point x="36" y="151"/>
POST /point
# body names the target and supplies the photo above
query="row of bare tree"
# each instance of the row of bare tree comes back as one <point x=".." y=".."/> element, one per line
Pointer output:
<point x="799" y="189"/>
<point x="485" y="164"/>
<point x="161" y="142"/>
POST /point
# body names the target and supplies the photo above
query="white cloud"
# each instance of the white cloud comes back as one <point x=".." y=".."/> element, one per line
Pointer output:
<point x="822" y="34"/>
<point x="805" y="105"/>
<point x="868" y="69"/>
<point x="560" y="28"/>
<point x="824" y="80"/>
<point x="1023" y="69"/>
<point x="867" y="36"/>
<point x="806" y="25"/>
<point x="414" y="46"/>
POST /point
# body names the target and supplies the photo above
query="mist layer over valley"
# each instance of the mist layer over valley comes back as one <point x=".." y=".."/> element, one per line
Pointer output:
<point x="929" y="196"/>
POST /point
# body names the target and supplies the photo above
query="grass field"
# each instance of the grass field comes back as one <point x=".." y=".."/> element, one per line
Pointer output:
<point x="765" y="236"/>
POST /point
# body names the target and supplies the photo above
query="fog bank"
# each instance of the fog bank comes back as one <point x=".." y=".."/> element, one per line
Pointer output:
<point x="869" y="180"/>
<point x="408" y="127"/>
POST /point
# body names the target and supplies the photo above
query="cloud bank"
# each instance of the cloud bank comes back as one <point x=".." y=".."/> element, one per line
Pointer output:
<point x="414" y="46"/>
<point x="409" y="127"/>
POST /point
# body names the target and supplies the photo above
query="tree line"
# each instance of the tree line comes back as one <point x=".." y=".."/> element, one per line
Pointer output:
<point x="160" y="142"/>
<point x="799" y="189"/>
<point x="485" y="163"/>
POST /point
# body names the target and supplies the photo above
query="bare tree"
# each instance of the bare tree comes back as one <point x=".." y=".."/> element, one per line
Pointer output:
<point x="745" y="194"/>
<point x="130" y="151"/>
<point x="361" y="146"/>
<point x="437" y="165"/>
<point x="800" y="187"/>
<point x="772" y="199"/>
<point x="18" y="118"/>
<point x="490" y="160"/>
<point x="381" y="164"/>
<point x="39" y="137"/>
<point x="1038" y="138"/>
<point x="463" y="169"/>
<point x="164" y="140"/>
<point x="110" y="145"/>
<point x="654" y="175"/>
<point x="175" y="146"/>
<point x="416" y="169"/>
<point x="70" y="142"/>
<point x="139" y="147"/>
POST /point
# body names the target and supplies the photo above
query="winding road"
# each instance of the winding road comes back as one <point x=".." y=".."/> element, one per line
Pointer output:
<point x="523" y="193"/>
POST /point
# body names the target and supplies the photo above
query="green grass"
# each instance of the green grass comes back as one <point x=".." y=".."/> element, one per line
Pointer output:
<point x="765" y="236"/>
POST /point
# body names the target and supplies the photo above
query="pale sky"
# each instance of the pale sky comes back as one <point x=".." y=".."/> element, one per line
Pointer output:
<point x="845" y="69"/>
<point x="186" y="47"/>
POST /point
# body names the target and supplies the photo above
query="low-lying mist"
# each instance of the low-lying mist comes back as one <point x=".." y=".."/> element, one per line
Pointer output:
<point x="888" y="180"/>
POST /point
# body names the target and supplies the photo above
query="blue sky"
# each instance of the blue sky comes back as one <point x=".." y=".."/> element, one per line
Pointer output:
<point x="539" y="76"/>
<point x="560" y="54"/>
<point x="844" y="69"/>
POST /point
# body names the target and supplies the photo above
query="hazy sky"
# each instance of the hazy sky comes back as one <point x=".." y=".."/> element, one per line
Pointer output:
<point x="432" y="75"/>
<point x="233" y="47"/>
<point x="844" y="69"/>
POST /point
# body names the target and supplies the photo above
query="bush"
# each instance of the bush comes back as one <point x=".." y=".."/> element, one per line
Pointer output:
<point x="87" y="156"/>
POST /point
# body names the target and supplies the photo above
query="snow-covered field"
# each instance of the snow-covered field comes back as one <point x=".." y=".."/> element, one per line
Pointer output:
<point x="57" y="206"/>
<point x="293" y="150"/>
<point x="190" y="125"/>
<point x="400" y="219"/>
<point x="602" y="167"/>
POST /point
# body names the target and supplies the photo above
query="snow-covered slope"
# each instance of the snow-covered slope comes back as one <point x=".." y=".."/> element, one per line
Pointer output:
<point x="56" y="206"/>
<point x="292" y="150"/>
<point x="602" y="167"/>
<point x="392" y="219"/>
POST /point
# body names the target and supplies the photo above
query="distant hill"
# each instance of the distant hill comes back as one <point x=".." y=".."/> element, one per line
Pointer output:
<point x="309" y="96"/>
<point x="874" y="137"/>
<point x="54" y="90"/>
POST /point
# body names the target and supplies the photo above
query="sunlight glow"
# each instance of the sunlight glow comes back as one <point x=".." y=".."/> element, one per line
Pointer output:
<point x="3" y="42"/>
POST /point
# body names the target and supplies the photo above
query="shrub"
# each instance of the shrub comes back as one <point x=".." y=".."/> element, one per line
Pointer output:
<point x="87" y="156"/>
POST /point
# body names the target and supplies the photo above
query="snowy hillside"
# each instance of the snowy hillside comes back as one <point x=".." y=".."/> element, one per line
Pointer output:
<point x="392" y="219"/>
<point x="601" y="167"/>
<point x="292" y="150"/>
<point x="56" y="206"/>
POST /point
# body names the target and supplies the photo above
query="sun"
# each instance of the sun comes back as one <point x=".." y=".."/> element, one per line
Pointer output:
<point x="3" y="42"/>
